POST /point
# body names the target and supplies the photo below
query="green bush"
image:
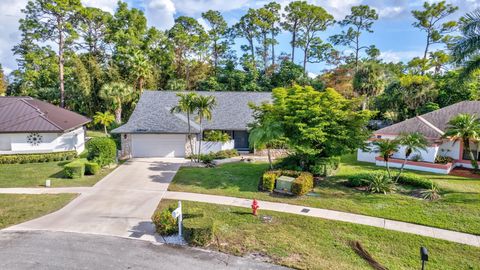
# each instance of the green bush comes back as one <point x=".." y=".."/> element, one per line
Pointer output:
<point x="302" y="184"/>
<point x="75" y="169"/>
<point x="199" y="231"/>
<point x="102" y="150"/>
<point x="415" y="181"/>
<point x="36" y="158"/>
<point x="91" y="168"/>
<point x="164" y="222"/>
<point x="216" y="136"/>
<point x="268" y="180"/>
<point x="325" y="166"/>
<point x="358" y="180"/>
<point x="223" y="154"/>
<point x="380" y="183"/>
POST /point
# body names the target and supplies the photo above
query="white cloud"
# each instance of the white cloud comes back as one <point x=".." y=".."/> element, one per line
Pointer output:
<point x="160" y="13"/>
<point x="106" y="5"/>
<point x="9" y="34"/>
<point x="398" y="56"/>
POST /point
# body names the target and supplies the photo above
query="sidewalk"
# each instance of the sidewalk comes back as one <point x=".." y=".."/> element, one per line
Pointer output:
<point x="77" y="190"/>
<point x="458" y="237"/>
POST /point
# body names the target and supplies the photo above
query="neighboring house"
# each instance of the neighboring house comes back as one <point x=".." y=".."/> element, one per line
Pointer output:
<point x="153" y="131"/>
<point x="432" y="125"/>
<point x="28" y="125"/>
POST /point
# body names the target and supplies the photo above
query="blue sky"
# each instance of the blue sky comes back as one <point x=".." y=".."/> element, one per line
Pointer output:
<point x="394" y="34"/>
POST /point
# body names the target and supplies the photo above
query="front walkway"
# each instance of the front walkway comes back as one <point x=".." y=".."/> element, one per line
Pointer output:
<point x="119" y="205"/>
<point x="458" y="237"/>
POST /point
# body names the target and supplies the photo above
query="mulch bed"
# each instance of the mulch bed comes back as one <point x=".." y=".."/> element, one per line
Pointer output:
<point x="463" y="172"/>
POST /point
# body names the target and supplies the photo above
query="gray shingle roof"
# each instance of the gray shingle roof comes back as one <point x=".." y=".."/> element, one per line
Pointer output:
<point x="152" y="113"/>
<point x="438" y="119"/>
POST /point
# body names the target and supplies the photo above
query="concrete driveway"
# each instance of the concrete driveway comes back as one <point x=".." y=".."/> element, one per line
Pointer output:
<point x="119" y="205"/>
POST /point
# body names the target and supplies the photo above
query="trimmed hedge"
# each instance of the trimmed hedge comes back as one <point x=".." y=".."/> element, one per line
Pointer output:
<point x="164" y="222"/>
<point x="363" y="179"/>
<point x="358" y="179"/>
<point x="302" y="184"/>
<point x="223" y="154"/>
<point x="415" y="181"/>
<point x="75" y="169"/>
<point x="199" y="231"/>
<point x="268" y="180"/>
<point x="102" y="150"/>
<point x="36" y="158"/>
<point x="91" y="168"/>
<point x="325" y="166"/>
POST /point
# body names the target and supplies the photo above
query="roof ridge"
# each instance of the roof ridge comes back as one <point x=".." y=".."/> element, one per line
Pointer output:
<point x="439" y="131"/>
<point x="42" y="114"/>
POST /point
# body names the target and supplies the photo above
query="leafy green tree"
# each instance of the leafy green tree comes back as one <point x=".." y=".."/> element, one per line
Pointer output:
<point x="451" y="89"/>
<point x="187" y="104"/>
<point x="3" y="82"/>
<point x="438" y="60"/>
<point x="266" y="20"/>
<point x="319" y="124"/>
<point x="465" y="128"/>
<point x="56" y="21"/>
<point x="289" y="74"/>
<point x="140" y="68"/>
<point x="105" y="119"/>
<point x="248" y="29"/>
<point x="418" y="66"/>
<point x="361" y="19"/>
<point x="204" y="106"/>
<point x="412" y="142"/>
<point x="92" y="29"/>
<point x="467" y="49"/>
<point x="116" y="94"/>
<point x="429" y="20"/>
<point x="369" y="81"/>
<point x="263" y="134"/>
<point x="316" y="20"/>
<point x="386" y="148"/>
<point x="293" y="16"/>
<point x="417" y="90"/>
<point x="218" y="35"/>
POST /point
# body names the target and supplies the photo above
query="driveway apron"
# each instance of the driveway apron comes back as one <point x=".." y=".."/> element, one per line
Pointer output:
<point x="119" y="205"/>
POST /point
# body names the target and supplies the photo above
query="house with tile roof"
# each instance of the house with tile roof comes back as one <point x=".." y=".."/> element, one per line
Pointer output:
<point x="432" y="125"/>
<point x="29" y="125"/>
<point x="153" y="131"/>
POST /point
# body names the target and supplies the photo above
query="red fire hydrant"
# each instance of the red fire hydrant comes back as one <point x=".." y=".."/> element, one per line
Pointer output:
<point x="255" y="206"/>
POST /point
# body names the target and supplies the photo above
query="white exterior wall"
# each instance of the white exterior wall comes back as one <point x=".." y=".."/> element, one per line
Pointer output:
<point x="450" y="149"/>
<point x="16" y="143"/>
<point x="212" y="147"/>
<point x="366" y="156"/>
<point x="414" y="167"/>
<point x="427" y="156"/>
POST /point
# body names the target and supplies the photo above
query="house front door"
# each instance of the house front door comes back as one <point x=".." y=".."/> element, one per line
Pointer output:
<point x="240" y="139"/>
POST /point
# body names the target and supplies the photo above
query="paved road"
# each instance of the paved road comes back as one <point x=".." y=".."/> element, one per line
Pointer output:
<point x="57" y="250"/>
<point x="119" y="205"/>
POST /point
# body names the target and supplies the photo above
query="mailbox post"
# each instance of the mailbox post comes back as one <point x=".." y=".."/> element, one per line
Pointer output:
<point x="177" y="214"/>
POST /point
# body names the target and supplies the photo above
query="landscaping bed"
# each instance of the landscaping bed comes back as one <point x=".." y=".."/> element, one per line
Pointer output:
<point x="18" y="208"/>
<point x="309" y="243"/>
<point x="458" y="209"/>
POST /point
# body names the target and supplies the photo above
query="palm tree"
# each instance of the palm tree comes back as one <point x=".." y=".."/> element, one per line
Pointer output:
<point x="262" y="135"/>
<point x="116" y="93"/>
<point x="465" y="128"/>
<point x="105" y="119"/>
<point x="467" y="49"/>
<point x="413" y="142"/>
<point x="140" y="68"/>
<point x="186" y="104"/>
<point x="204" y="106"/>
<point x="369" y="81"/>
<point x="386" y="148"/>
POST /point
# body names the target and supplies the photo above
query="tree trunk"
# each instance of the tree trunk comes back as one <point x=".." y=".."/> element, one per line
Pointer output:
<point x="252" y="51"/>
<point x="200" y="140"/>
<point x="473" y="160"/>
<point x="273" y="49"/>
<point x="118" y="114"/>
<point x="105" y="129"/>
<point x="269" y="158"/>
<point x="192" y="151"/>
<point x="364" y="103"/>
<point x="140" y="84"/>
<point x="61" y="44"/>
<point x="388" y="167"/>
<point x="401" y="169"/>
<point x="294" y="36"/>
<point x="265" y="53"/>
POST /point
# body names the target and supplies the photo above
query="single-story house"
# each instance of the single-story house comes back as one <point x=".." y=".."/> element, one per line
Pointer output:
<point x="153" y="131"/>
<point x="29" y="125"/>
<point x="432" y="125"/>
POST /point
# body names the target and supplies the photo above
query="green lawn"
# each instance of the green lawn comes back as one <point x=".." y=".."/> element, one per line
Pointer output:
<point x="459" y="208"/>
<point x="18" y="208"/>
<point x="311" y="243"/>
<point x="35" y="174"/>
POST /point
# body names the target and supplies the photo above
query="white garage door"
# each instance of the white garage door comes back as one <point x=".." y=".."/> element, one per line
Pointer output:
<point x="158" y="145"/>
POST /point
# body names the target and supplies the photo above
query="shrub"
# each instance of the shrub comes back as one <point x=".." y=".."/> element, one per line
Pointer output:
<point x="268" y="180"/>
<point x="216" y="136"/>
<point x="199" y="231"/>
<point x="223" y="154"/>
<point x="91" y="168"/>
<point x="75" y="169"/>
<point x="164" y="222"/>
<point x="358" y="180"/>
<point x="102" y="150"/>
<point x="325" y="166"/>
<point x="302" y="184"/>
<point x="414" y="181"/>
<point x="416" y="157"/>
<point x="35" y="158"/>
<point x="431" y="194"/>
<point x="443" y="159"/>
<point x="380" y="183"/>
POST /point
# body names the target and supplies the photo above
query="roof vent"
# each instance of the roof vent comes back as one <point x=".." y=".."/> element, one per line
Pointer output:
<point x="141" y="129"/>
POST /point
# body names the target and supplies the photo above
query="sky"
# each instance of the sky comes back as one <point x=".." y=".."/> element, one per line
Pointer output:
<point x="393" y="33"/>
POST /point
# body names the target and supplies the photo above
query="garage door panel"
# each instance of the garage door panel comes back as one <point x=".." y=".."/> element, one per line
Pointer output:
<point x="158" y="145"/>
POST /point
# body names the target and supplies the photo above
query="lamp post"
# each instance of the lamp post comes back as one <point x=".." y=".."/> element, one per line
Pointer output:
<point x="423" y="256"/>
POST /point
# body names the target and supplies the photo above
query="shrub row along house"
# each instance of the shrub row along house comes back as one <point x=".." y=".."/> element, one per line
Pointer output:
<point x="154" y="131"/>
<point x="28" y="125"/>
<point x="442" y="154"/>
